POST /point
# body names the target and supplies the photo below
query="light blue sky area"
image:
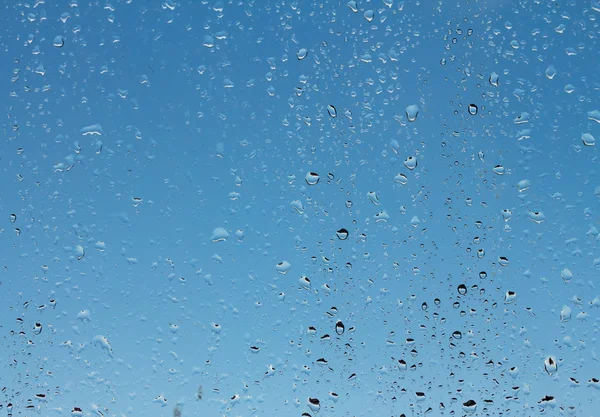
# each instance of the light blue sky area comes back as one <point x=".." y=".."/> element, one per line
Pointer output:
<point x="386" y="207"/>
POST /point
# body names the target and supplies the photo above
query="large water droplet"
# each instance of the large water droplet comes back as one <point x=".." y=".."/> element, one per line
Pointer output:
<point x="301" y="54"/>
<point x="588" y="139"/>
<point x="594" y="116"/>
<point x="550" y="72"/>
<point x="510" y="297"/>
<point x="550" y="365"/>
<point x="412" y="112"/>
<point x="494" y="79"/>
<point x="339" y="327"/>
<point x="401" y="179"/>
<point x="473" y="109"/>
<point x="58" y="41"/>
<point x="410" y="162"/>
<point x="469" y="406"/>
<point x="342" y="234"/>
<point x="369" y="15"/>
<point x="353" y="6"/>
<point x="220" y="234"/>
<point x="462" y="289"/>
<point x="372" y="196"/>
<point x="283" y="267"/>
<point x="565" y="314"/>
<point x="312" y="178"/>
<point x="566" y="274"/>
<point x="331" y="110"/>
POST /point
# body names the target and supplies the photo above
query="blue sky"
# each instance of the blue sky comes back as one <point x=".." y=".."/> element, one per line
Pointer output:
<point x="155" y="159"/>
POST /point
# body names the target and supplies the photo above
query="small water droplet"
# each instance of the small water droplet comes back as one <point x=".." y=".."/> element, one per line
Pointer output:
<point x="550" y="365"/>
<point x="457" y="335"/>
<point x="58" y="41"/>
<point x="469" y="406"/>
<point x="588" y="139"/>
<point x="372" y="196"/>
<point x="494" y="79"/>
<point x="13" y="218"/>
<point x="550" y="72"/>
<point x="462" y="289"/>
<point x="401" y="179"/>
<point x="473" y="109"/>
<point x="353" y="6"/>
<point x="369" y="15"/>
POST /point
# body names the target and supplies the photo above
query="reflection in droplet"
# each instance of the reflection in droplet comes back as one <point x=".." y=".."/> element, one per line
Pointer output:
<point x="353" y="6"/>
<point x="412" y="112"/>
<point x="13" y="218"/>
<point x="342" y="234"/>
<point x="462" y="289"/>
<point x="312" y="178"/>
<point x="301" y="54"/>
<point x="314" y="404"/>
<point x="369" y="15"/>
<point x="503" y="261"/>
<point x="457" y="334"/>
<point x="473" y="109"/>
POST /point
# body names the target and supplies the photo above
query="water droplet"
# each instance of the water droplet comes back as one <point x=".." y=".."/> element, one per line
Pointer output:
<point x="13" y="218"/>
<point x="462" y="289"/>
<point x="58" y="41"/>
<point x="550" y="72"/>
<point x="536" y="216"/>
<point x="499" y="170"/>
<point x="457" y="335"/>
<point x="314" y="404"/>
<point x="342" y="234"/>
<point x="339" y="327"/>
<point x="301" y="54"/>
<point x="424" y="306"/>
<point x="594" y="116"/>
<point x="473" y="109"/>
<point x="550" y="365"/>
<point x="494" y="79"/>
<point x="469" y="406"/>
<point x="437" y="301"/>
<point x="79" y="252"/>
<point x="410" y="162"/>
<point x="312" y="178"/>
<point x="353" y="6"/>
<point x="566" y="274"/>
<point x="523" y="185"/>
<point x="305" y="281"/>
<point x="220" y="234"/>
<point x="401" y="179"/>
<point x="283" y="267"/>
<point x="348" y="204"/>
<point x="565" y="314"/>
<point x="480" y="253"/>
<point x="332" y="110"/>
<point x="369" y="15"/>
<point x="372" y="196"/>
<point x="588" y="139"/>
<point x="510" y="297"/>
<point x="412" y="112"/>
<point x="503" y="261"/>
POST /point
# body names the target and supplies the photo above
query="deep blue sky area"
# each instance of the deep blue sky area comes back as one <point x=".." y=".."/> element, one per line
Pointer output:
<point x="267" y="208"/>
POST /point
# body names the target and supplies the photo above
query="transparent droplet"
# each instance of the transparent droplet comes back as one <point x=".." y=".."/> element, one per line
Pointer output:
<point x="372" y="196"/>
<point x="473" y="109"/>
<point x="301" y="54"/>
<point x="457" y="335"/>
<point x="565" y="314"/>
<point x="498" y="170"/>
<point x="369" y="15"/>
<point x="536" y="216"/>
<point x="401" y="179"/>
<point x="566" y="274"/>
<point x="342" y="234"/>
<point x="550" y="72"/>
<point x="220" y="234"/>
<point x="588" y="139"/>
<point x="332" y="110"/>
<point x="305" y="281"/>
<point x="353" y="6"/>
<point x="594" y="116"/>
<point x="523" y="185"/>
<point x="494" y="79"/>
<point x="410" y="162"/>
<point x="79" y="252"/>
<point x="13" y="217"/>
<point x="312" y="178"/>
<point x="412" y="112"/>
<point x="283" y="267"/>
<point x="462" y="289"/>
<point x="58" y="41"/>
<point x="469" y="406"/>
<point x="550" y="365"/>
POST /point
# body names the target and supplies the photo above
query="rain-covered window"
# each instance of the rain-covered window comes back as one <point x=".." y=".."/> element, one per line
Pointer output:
<point x="300" y="208"/>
